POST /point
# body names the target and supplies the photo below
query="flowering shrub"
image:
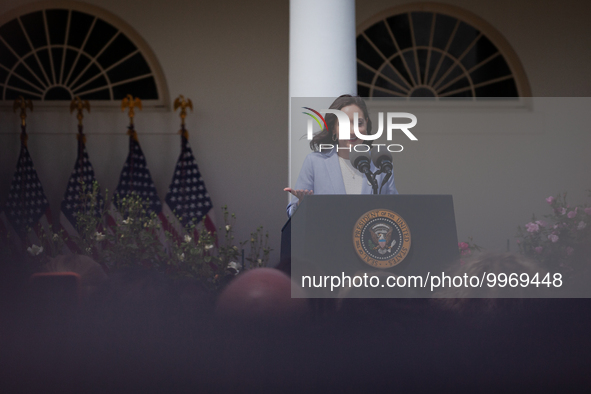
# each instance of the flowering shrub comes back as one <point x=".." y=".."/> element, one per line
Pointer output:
<point x="31" y="257"/>
<point x="134" y="236"/>
<point x="467" y="248"/>
<point x="258" y="245"/>
<point x="560" y="240"/>
<point x="133" y="240"/>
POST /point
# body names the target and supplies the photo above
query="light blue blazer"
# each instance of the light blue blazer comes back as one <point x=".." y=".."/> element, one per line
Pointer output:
<point x="321" y="173"/>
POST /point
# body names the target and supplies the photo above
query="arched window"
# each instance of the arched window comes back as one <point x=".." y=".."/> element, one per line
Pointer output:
<point x="53" y="51"/>
<point x="435" y="50"/>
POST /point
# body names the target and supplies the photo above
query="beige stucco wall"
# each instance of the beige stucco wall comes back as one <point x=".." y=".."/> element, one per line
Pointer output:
<point x="500" y="178"/>
<point x="231" y="59"/>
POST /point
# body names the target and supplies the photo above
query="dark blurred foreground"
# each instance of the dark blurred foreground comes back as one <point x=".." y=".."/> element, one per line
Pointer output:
<point x="142" y="332"/>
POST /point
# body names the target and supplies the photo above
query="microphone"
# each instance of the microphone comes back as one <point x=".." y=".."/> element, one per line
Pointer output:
<point x="361" y="161"/>
<point x="382" y="160"/>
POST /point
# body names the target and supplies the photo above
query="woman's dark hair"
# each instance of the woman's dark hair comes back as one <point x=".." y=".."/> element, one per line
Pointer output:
<point x="325" y="136"/>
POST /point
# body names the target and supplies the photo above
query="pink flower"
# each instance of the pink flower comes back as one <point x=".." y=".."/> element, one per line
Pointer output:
<point x="569" y="250"/>
<point x="464" y="248"/>
<point x="532" y="227"/>
<point x="588" y="211"/>
<point x="562" y="211"/>
<point x="572" y="214"/>
<point x="581" y="225"/>
<point x="550" y="200"/>
<point x="538" y="249"/>
<point x="553" y="237"/>
<point x="541" y="223"/>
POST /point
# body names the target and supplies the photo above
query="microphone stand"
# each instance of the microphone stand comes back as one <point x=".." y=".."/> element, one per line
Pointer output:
<point x="386" y="178"/>
<point x="364" y="168"/>
<point x="363" y="164"/>
<point x="385" y="168"/>
<point x="372" y="179"/>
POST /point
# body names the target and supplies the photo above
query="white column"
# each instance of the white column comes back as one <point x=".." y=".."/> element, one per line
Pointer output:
<point x="322" y="48"/>
<point x="322" y="58"/>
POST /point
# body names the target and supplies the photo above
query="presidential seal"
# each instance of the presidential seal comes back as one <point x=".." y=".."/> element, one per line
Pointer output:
<point x="381" y="238"/>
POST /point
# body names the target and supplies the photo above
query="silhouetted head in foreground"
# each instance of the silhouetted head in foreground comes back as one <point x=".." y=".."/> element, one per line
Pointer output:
<point x="261" y="295"/>
<point x="505" y="284"/>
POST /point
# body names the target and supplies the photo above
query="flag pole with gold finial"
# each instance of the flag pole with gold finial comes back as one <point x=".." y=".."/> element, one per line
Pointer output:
<point x="131" y="103"/>
<point x="22" y="104"/>
<point x="79" y="105"/>
<point x="183" y="104"/>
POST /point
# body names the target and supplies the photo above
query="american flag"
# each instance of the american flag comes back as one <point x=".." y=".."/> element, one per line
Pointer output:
<point x="135" y="179"/>
<point x="82" y="177"/>
<point x="27" y="207"/>
<point x="187" y="197"/>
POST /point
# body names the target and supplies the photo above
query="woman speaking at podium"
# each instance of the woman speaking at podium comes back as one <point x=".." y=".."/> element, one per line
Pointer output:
<point x="331" y="172"/>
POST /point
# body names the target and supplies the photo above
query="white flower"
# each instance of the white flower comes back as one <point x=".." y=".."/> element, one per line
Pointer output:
<point x="233" y="265"/>
<point x="128" y="221"/>
<point x="260" y="262"/>
<point x="99" y="236"/>
<point x="188" y="238"/>
<point x="35" y="250"/>
<point x="182" y="257"/>
<point x="207" y="247"/>
<point x="228" y="227"/>
<point x="55" y="237"/>
<point x="581" y="225"/>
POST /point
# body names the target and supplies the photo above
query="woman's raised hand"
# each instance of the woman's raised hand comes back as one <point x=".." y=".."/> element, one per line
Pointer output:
<point x="299" y="193"/>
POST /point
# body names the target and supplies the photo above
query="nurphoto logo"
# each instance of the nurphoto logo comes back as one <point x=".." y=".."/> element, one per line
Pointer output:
<point x="345" y="128"/>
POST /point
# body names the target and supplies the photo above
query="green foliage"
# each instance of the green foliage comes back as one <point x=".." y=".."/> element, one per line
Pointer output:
<point x="52" y="242"/>
<point x="192" y="256"/>
<point x="137" y="238"/>
<point x="259" y="248"/>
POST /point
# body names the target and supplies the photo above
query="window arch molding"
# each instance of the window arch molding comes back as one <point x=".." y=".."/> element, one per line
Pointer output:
<point x="116" y="78"/>
<point x="507" y="53"/>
